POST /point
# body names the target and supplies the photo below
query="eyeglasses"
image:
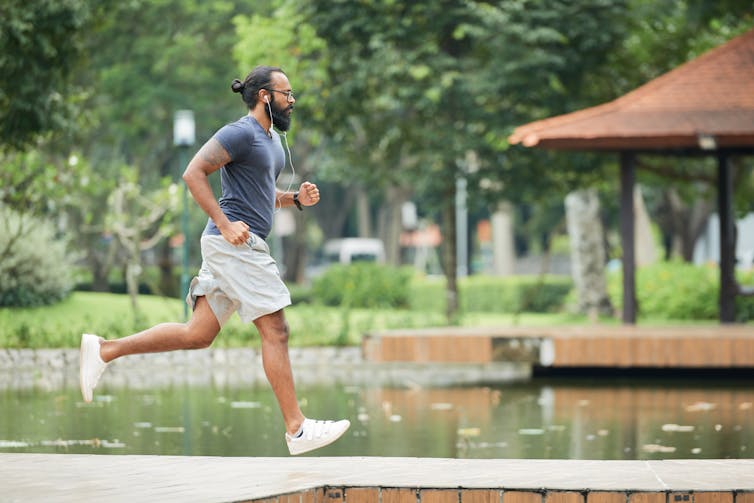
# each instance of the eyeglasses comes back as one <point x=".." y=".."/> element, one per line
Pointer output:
<point x="288" y="94"/>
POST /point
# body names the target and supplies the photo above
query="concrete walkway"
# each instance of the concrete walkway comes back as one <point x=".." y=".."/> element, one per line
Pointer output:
<point x="83" y="478"/>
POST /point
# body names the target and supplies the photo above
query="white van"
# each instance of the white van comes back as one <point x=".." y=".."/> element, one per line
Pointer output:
<point x="349" y="250"/>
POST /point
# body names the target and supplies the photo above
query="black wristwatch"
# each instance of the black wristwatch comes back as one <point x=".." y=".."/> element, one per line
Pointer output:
<point x="297" y="202"/>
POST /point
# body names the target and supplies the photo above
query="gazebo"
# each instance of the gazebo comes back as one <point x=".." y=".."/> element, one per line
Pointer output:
<point x="703" y="107"/>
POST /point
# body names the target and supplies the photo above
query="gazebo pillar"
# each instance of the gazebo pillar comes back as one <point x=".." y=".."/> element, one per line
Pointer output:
<point x="627" y="181"/>
<point x="728" y="286"/>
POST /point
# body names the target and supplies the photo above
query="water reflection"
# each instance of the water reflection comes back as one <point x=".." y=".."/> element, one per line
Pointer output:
<point x="576" y="419"/>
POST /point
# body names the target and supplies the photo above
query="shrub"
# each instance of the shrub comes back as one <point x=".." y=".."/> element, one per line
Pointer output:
<point x="300" y="294"/>
<point x="363" y="284"/>
<point x="514" y="294"/>
<point x="745" y="305"/>
<point x="494" y="294"/>
<point x="427" y="294"/>
<point x="680" y="291"/>
<point x="35" y="269"/>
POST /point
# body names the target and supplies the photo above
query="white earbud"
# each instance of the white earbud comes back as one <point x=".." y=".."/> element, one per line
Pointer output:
<point x="269" y="109"/>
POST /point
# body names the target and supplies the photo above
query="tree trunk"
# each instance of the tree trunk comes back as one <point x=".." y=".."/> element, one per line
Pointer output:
<point x="332" y="210"/>
<point x="364" y="220"/>
<point x="682" y="224"/>
<point x="295" y="245"/>
<point x="503" y="249"/>
<point x="168" y="283"/>
<point x="587" y="252"/>
<point x="133" y="271"/>
<point x="391" y="223"/>
<point x="645" y="249"/>
<point x="449" y="256"/>
<point x="101" y="261"/>
<point x="99" y="274"/>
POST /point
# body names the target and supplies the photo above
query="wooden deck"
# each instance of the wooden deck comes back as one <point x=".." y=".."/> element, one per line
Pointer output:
<point x="623" y="346"/>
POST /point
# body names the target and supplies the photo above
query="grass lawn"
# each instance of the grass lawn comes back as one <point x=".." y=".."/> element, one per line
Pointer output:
<point x="111" y="316"/>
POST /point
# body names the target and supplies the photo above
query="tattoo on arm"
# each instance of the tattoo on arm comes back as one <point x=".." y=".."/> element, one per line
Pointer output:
<point x="214" y="154"/>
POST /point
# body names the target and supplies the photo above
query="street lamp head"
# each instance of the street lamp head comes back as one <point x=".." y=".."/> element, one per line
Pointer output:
<point x="183" y="128"/>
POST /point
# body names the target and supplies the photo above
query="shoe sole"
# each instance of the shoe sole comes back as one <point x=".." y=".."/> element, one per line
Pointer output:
<point x="83" y="356"/>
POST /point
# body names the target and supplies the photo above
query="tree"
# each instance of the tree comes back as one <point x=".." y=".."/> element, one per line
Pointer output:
<point x="149" y="59"/>
<point x="136" y="220"/>
<point x="587" y="252"/>
<point x="424" y="87"/>
<point x="41" y="46"/>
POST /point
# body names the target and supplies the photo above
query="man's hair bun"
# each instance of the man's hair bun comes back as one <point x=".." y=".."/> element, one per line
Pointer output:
<point x="237" y="86"/>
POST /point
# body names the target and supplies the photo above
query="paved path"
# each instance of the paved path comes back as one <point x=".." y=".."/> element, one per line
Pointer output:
<point x="83" y="478"/>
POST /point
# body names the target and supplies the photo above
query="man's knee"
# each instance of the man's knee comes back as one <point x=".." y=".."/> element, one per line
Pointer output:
<point x="203" y="327"/>
<point x="199" y="339"/>
<point x="274" y="329"/>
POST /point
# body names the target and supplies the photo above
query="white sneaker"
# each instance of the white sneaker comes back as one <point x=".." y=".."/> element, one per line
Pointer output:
<point x="316" y="434"/>
<point x="91" y="364"/>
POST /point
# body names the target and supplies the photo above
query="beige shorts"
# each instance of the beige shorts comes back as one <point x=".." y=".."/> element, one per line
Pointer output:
<point x="241" y="278"/>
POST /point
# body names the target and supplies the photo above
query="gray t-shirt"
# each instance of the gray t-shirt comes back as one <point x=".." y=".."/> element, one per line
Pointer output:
<point x="248" y="180"/>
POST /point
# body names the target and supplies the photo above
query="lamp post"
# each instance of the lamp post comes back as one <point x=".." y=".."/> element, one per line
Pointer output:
<point x="183" y="138"/>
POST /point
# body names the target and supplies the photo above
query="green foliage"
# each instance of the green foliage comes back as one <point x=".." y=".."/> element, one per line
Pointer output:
<point x="745" y="305"/>
<point x="149" y="281"/>
<point x="430" y="90"/>
<point x="680" y="291"/>
<point x="35" y="269"/>
<point x="61" y="324"/>
<point x="517" y="294"/>
<point x="663" y="35"/>
<point x="149" y="59"/>
<point x="300" y="293"/>
<point x="109" y="315"/>
<point x="298" y="51"/>
<point x="41" y="42"/>
<point x="491" y="294"/>
<point x="363" y="285"/>
<point x="394" y="94"/>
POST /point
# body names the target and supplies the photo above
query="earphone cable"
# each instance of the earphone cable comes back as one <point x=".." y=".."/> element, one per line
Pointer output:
<point x="290" y="159"/>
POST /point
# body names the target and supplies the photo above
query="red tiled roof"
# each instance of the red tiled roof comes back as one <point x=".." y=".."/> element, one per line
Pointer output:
<point x="710" y="95"/>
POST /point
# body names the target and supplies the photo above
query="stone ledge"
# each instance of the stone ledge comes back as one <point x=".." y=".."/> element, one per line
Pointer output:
<point x="78" y="477"/>
<point x="52" y="369"/>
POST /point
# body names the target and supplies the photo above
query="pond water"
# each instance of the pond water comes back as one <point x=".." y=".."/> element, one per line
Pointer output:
<point x="573" y="418"/>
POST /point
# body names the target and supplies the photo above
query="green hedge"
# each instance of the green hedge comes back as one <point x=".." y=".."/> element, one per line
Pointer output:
<point x="373" y="285"/>
<point x="363" y="284"/>
<point x="494" y="294"/>
<point x="680" y="291"/>
<point x="665" y="291"/>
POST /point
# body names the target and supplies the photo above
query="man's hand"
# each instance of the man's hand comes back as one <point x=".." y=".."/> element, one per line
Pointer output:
<point x="235" y="233"/>
<point x="308" y="194"/>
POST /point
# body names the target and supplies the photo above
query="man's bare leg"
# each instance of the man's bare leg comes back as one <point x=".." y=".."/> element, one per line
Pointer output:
<point x="274" y="332"/>
<point x="197" y="333"/>
<point x="96" y="352"/>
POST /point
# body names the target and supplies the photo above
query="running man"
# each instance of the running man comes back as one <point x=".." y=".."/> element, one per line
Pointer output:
<point x="237" y="272"/>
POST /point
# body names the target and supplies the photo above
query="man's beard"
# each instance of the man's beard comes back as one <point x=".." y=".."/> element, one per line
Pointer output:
<point x="281" y="120"/>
